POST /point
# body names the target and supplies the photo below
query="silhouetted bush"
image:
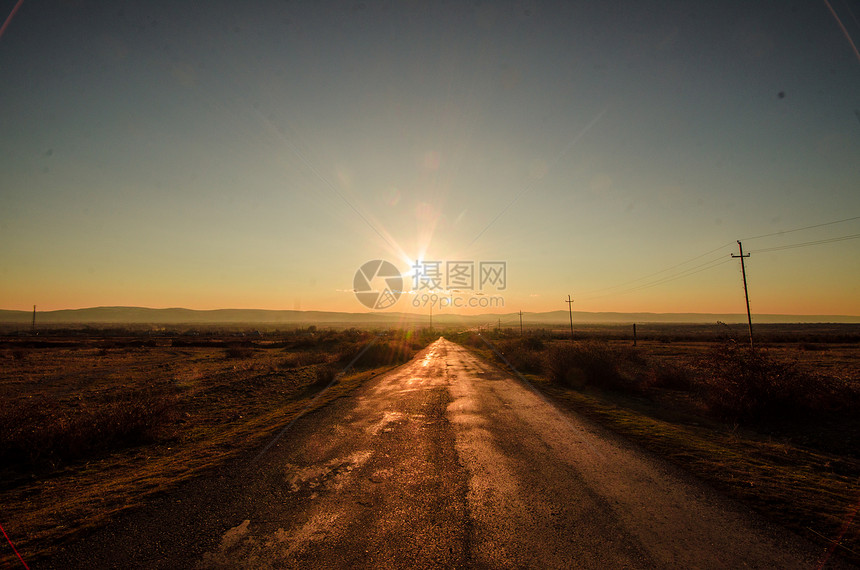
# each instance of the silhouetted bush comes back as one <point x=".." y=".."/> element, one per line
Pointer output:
<point x="239" y="352"/>
<point x="299" y="359"/>
<point x="471" y="339"/>
<point x="380" y="353"/>
<point x="590" y="363"/>
<point x="810" y="346"/>
<point x="324" y="374"/>
<point x="672" y="377"/>
<point x="534" y="343"/>
<point x="523" y="355"/>
<point x="749" y="386"/>
<point x="45" y="432"/>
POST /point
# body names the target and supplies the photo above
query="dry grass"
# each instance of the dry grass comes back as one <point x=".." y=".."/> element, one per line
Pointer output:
<point x="753" y="386"/>
<point x="727" y="381"/>
<point x="92" y="426"/>
<point x="523" y="354"/>
<point x="809" y="491"/>
<point x="43" y="433"/>
<point x="777" y="429"/>
<point x="299" y="359"/>
<point x="239" y="351"/>
<point x="592" y="364"/>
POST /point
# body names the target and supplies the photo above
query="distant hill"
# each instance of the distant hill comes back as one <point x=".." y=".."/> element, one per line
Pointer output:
<point x="178" y="316"/>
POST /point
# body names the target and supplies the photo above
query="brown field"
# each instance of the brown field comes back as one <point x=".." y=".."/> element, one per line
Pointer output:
<point x="93" y="423"/>
<point x="790" y="448"/>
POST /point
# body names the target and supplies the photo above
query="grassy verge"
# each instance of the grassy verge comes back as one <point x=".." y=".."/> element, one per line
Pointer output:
<point x="53" y="510"/>
<point x="89" y="431"/>
<point x="810" y="492"/>
<point x="798" y="477"/>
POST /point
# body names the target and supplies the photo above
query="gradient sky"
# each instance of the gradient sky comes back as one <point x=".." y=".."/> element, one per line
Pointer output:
<point x="255" y="154"/>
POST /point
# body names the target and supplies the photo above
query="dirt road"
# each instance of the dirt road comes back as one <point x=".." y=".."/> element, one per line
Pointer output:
<point x="444" y="462"/>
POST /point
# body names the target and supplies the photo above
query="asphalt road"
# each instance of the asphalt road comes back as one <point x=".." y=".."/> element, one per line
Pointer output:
<point x="444" y="462"/>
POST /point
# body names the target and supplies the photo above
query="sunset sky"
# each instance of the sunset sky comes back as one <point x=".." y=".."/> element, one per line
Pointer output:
<point x="256" y="154"/>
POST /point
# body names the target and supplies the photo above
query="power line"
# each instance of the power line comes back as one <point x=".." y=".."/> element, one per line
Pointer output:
<point x="686" y="273"/>
<point x="665" y="270"/>
<point x="605" y="292"/>
<point x="720" y="261"/>
<point x="710" y="265"/>
<point x="807" y="243"/>
<point x="803" y="228"/>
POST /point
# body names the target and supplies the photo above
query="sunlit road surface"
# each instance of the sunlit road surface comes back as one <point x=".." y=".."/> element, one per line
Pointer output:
<point x="446" y="462"/>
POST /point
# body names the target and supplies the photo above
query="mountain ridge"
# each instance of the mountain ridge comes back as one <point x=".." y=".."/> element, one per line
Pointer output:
<point x="179" y="315"/>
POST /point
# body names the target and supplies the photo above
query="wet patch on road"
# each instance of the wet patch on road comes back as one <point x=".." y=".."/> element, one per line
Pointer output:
<point x="240" y="548"/>
<point x="330" y="475"/>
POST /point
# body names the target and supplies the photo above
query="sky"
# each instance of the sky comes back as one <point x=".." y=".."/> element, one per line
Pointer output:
<point x="257" y="154"/>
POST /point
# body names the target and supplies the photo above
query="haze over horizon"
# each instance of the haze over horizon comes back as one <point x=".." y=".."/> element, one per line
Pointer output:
<point x="262" y="317"/>
<point x="256" y="155"/>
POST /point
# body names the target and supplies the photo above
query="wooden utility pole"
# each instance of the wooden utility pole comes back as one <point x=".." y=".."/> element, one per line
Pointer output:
<point x="746" y="293"/>
<point x="521" y="323"/>
<point x="570" y="310"/>
<point x="634" y="334"/>
<point x="33" y="327"/>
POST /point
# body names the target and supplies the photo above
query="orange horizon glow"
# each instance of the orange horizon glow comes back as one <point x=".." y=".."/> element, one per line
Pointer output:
<point x="353" y="306"/>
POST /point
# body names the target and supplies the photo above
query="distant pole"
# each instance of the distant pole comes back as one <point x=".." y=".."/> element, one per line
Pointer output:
<point x="746" y="293"/>
<point x="431" y="316"/>
<point x="521" y="323"/>
<point x="500" y="326"/>
<point x="634" y="334"/>
<point x="570" y="310"/>
<point x="33" y="328"/>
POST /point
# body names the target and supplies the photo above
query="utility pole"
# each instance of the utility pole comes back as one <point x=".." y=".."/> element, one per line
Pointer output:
<point x="431" y="316"/>
<point x="521" y="323"/>
<point x="634" y="334"/>
<point x="33" y="327"/>
<point x="746" y="293"/>
<point x="500" y="326"/>
<point x="570" y="310"/>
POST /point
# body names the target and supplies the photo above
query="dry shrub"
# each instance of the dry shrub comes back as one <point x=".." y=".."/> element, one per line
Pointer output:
<point x="239" y="352"/>
<point x="44" y="432"/>
<point x="380" y="353"/>
<point x="385" y="353"/>
<point x="348" y="352"/>
<point x="533" y="343"/>
<point x="324" y="375"/>
<point x="750" y="386"/>
<point x="591" y="363"/>
<point x="672" y="377"/>
<point x="299" y="359"/>
<point x="19" y="354"/>
<point x="474" y="340"/>
<point x="523" y="355"/>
